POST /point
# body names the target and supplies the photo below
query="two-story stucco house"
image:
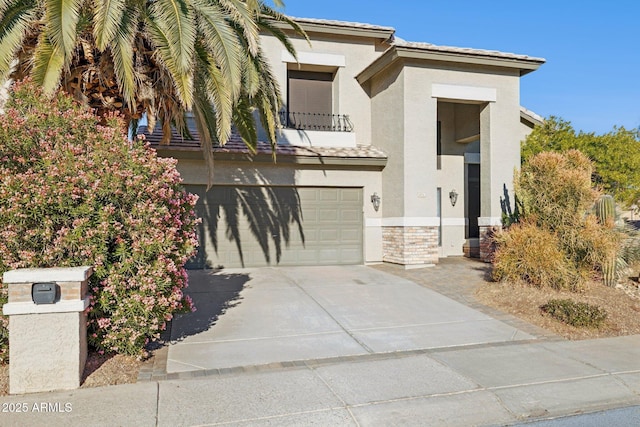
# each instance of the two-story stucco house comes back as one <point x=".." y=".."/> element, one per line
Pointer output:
<point x="390" y="151"/>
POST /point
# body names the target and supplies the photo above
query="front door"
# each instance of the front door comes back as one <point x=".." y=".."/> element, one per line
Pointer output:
<point x="472" y="197"/>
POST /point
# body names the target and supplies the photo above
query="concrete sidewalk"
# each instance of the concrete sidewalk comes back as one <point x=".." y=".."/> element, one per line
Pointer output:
<point x="342" y="358"/>
<point x="494" y="384"/>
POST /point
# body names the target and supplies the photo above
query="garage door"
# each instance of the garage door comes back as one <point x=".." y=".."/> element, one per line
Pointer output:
<point x="258" y="226"/>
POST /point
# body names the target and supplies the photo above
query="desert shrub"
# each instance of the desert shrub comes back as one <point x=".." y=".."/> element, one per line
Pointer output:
<point x="529" y="254"/>
<point x="558" y="198"/>
<point x="578" y="314"/>
<point x="76" y="192"/>
<point x="556" y="189"/>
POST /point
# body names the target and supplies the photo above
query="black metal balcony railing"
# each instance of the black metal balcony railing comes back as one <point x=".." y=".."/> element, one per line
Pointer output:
<point x="316" y="121"/>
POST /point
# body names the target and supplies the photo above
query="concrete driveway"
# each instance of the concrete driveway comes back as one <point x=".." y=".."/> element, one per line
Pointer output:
<point x="249" y="317"/>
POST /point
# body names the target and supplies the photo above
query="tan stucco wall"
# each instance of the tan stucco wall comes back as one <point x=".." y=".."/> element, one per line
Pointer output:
<point x="349" y="97"/>
<point x="525" y="130"/>
<point x="387" y="108"/>
<point x="404" y="124"/>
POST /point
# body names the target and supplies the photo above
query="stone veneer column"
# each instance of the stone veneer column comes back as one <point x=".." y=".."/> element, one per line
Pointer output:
<point x="47" y="342"/>
<point x="410" y="245"/>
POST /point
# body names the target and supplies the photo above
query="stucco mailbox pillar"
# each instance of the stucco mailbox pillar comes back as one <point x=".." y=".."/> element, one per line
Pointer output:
<point x="47" y="339"/>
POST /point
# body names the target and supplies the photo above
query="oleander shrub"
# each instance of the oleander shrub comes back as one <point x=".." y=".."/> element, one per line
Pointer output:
<point x="74" y="191"/>
<point x="528" y="254"/>
<point x="578" y="314"/>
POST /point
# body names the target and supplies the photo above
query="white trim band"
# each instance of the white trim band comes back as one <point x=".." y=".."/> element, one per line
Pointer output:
<point x="55" y="274"/>
<point x="311" y="58"/>
<point x="74" y="306"/>
<point x="465" y="93"/>
<point x="373" y="222"/>
<point x="404" y="221"/>
<point x="490" y="221"/>
<point x="455" y="222"/>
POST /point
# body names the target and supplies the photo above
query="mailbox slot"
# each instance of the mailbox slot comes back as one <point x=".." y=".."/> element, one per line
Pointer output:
<point x="45" y="293"/>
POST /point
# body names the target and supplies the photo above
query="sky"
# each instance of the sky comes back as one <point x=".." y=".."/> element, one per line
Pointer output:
<point x="591" y="77"/>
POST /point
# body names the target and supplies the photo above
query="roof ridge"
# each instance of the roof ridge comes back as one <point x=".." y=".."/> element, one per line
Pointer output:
<point x="341" y="23"/>
<point x="468" y="50"/>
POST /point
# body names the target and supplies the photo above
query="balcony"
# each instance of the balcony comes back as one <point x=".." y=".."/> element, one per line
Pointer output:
<point x="315" y="130"/>
<point x="316" y="121"/>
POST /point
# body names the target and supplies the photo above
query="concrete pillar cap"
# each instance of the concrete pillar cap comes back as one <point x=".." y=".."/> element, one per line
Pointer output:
<point x="54" y="274"/>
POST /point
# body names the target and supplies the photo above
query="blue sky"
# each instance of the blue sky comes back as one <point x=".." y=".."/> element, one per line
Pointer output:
<point x="592" y="48"/>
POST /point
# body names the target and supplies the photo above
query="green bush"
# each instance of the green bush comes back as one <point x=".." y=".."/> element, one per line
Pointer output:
<point x="529" y="254"/>
<point x="76" y="192"/>
<point x="578" y="314"/>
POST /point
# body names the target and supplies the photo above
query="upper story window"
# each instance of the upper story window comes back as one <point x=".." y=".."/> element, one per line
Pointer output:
<point x="313" y="99"/>
<point x="310" y="100"/>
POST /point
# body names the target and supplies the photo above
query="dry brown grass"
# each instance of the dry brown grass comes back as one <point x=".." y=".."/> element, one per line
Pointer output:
<point x="622" y="305"/>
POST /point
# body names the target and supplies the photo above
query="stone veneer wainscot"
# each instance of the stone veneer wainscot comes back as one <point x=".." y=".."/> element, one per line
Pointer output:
<point x="410" y="245"/>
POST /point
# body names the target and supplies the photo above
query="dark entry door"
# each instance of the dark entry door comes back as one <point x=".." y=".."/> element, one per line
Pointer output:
<point x="473" y="201"/>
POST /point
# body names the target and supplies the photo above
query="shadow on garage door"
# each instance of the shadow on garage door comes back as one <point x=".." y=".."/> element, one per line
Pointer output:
<point x="255" y="226"/>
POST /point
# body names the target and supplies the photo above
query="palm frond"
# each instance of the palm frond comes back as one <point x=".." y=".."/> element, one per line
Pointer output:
<point x="218" y="94"/>
<point x="265" y="21"/>
<point x="269" y="121"/>
<point x="107" y="19"/>
<point x="122" y="52"/>
<point x="205" y="119"/>
<point x="221" y="42"/>
<point x="250" y="76"/>
<point x="245" y="123"/>
<point x="268" y="27"/>
<point x="243" y="14"/>
<point x="175" y="19"/>
<point x="182" y="79"/>
<point x="267" y="99"/>
<point x="48" y="64"/>
<point x="62" y="18"/>
<point x="14" y="23"/>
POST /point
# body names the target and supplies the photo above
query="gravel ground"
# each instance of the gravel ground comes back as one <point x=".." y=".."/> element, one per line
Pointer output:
<point x="99" y="371"/>
<point x="621" y="303"/>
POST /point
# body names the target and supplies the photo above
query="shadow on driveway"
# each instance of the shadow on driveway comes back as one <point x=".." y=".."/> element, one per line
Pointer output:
<point x="213" y="292"/>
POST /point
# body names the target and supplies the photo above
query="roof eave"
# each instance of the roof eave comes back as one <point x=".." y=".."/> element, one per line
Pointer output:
<point x="395" y="53"/>
<point x="192" y="153"/>
<point x="531" y="117"/>
<point x="327" y="28"/>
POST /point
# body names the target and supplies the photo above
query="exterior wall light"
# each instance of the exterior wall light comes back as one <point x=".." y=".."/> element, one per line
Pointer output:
<point x="375" y="201"/>
<point x="453" y="196"/>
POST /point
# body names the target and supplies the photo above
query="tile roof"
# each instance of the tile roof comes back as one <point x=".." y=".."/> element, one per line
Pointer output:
<point x="464" y="50"/>
<point x="417" y="45"/>
<point x="236" y="145"/>
<point x="346" y="24"/>
<point x="531" y="117"/>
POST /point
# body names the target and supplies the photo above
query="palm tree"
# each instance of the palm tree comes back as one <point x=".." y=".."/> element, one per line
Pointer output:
<point x="162" y="58"/>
